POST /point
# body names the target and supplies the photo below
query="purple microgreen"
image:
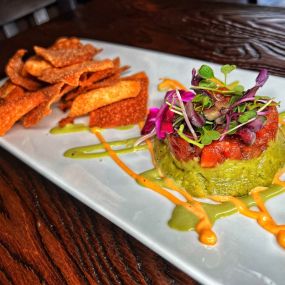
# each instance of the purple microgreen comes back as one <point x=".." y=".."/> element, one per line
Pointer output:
<point x="262" y="77"/>
<point x="186" y="96"/>
<point x="265" y="105"/>
<point x="247" y="136"/>
<point x="208" y="136"/>
<point x="185" y="115"/>
<point x="145" y="137"/>
<point x="260" y="81"/>
<point x="262" y="113"/>
<point x="186" y="138"/>
<point x="228" y="121"/>
<point x="240" y="125"/>
<point x="242" y="100"/>
<point x="150" y="121"/>
<point x="257" y="124"/>
<point x="196" y="78"/>
<point x="196" y="119"/>
<point x="237" y="127"/>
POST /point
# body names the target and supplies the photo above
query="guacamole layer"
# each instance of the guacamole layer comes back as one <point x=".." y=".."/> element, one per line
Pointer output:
<point x="233" y="177"/>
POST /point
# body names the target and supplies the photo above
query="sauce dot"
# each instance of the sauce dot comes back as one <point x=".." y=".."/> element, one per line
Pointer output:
<point x="208" y="237"/>
<point x="263" y="219"/>
<point x="281" y="238"/>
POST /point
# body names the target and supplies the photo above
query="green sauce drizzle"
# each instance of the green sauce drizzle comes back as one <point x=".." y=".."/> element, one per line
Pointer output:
<point x="98" y="150"/>
<point x="184" y="220"/>
<point x="69" y="128"/>
<point x="124" y="128"/>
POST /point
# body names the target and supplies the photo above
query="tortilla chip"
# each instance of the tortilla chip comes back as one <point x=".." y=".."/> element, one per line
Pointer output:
<point x="52" y="94"/>
<point x="97" y="98"/>
<point x="100" y="75"/>
<point x="35" y="65"/>
<point x="71" y="74"/>
<point x="66" y="43"/>
<point x="65" y="56"/>
<point x="15" y="105"/>
<point x="14" y="71"/>
<point x="126" y="112"/>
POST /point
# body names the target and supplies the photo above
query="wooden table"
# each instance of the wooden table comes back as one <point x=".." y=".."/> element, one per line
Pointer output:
<point x="48" y="237"/>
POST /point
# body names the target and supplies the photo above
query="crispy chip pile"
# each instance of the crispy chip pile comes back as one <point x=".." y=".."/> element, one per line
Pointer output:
<point x="67" y="72"/>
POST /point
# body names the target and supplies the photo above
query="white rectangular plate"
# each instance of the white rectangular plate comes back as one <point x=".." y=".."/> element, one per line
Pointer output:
<point x="245" y="254"/>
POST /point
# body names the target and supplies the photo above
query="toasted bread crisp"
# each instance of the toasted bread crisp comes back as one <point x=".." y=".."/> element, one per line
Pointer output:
<point x="35" y="65"/>
<point x="97" y="98"/>
<point x="66" y="72"/>
<point x="15" y="105"/>
<point x="52" y="94"/>
<point x="65" y="55"/>
<point x="14" y="70"/>
<point x="126" y="112"/>
<point x="66" y="43"/>
<point x="71" y="74"/>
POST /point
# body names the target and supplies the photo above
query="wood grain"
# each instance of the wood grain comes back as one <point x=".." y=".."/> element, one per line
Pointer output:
<point x="249" y="36"/>
<point x="48" y="237"/>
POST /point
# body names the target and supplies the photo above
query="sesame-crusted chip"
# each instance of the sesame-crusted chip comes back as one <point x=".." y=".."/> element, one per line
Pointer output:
<point x="35" y="65"/>
<point x="52" y="94"/>
<point x="71" y="74"/>
<point x="65" y="56"/>
<point x="97" y="98"/>
<point x="15" y="105"/>
<point x="113" y="115"/>
<point x="14" y="71"/>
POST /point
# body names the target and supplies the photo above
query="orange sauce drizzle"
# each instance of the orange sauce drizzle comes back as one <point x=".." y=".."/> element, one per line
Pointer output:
<point x="203" y="228"/>
<point x="168" y="84"/>
<point x="262" y="216"/>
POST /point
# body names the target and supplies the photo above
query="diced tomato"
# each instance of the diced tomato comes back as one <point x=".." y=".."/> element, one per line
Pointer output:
<point x="181" y="149"/>
<point x="217" y="152"/>
<point x="230" y="148"/>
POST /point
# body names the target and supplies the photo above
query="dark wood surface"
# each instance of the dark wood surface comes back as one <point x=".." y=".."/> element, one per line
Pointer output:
<point x="48" y="237"/>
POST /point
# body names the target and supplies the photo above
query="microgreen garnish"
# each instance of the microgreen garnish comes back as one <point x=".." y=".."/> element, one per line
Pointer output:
<point x="214" y="109"/>
<point x="186" y="138"/>
<point x="204" y="100"/>
<point x="208" y="84"/>
<point x="208" y="136"/>
<point x="226" y="69"/>
<point x="206" y="71"/>
<point x="246" y="116"/>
